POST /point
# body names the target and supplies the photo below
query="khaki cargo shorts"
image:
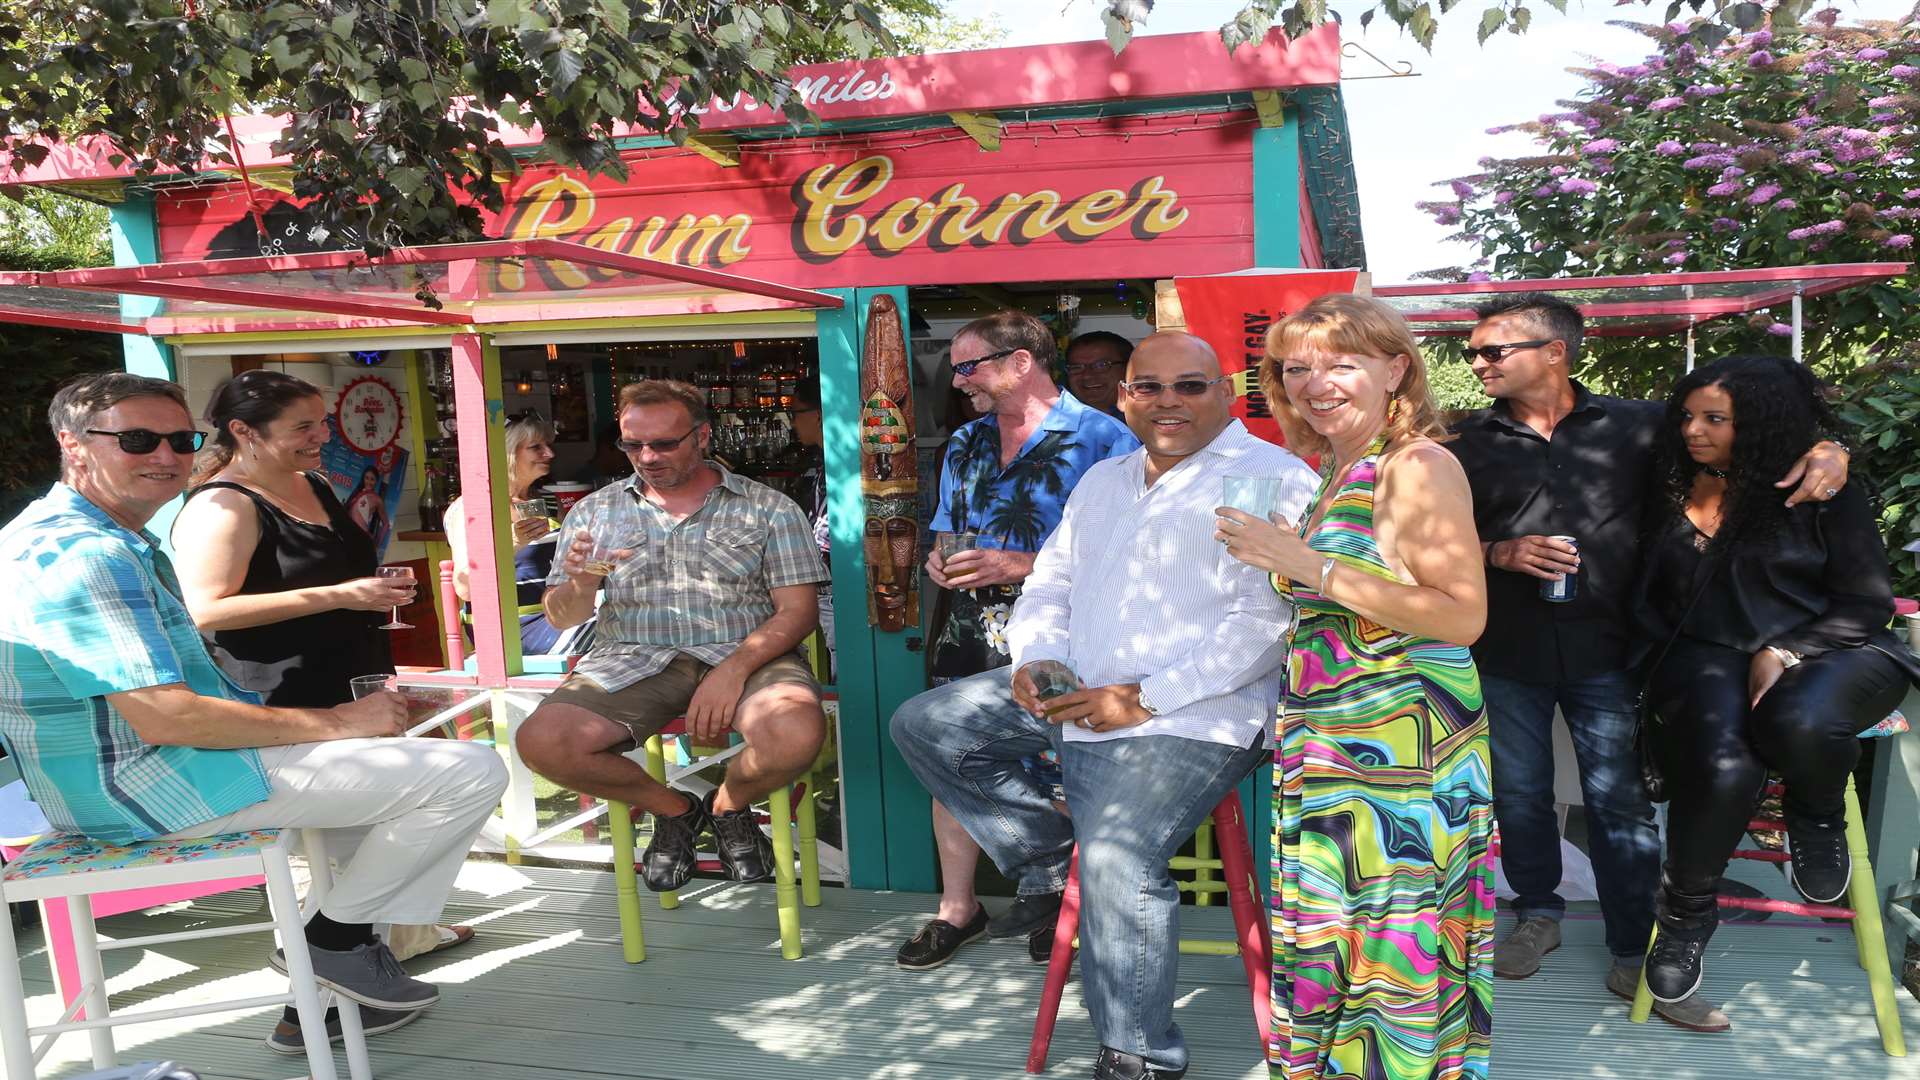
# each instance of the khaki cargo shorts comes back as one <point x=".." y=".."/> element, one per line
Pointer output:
<point x="660" y="699"/>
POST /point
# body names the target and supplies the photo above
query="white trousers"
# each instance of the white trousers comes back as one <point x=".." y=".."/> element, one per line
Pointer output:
<point x="399" y="815"/>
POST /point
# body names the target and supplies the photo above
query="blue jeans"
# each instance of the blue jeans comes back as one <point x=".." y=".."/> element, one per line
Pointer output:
<point x="1624" y="843"/>
<point x="1134" y="800"/>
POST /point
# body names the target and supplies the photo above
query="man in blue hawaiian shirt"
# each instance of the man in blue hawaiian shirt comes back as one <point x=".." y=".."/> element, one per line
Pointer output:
<point x="1005" y="483"/>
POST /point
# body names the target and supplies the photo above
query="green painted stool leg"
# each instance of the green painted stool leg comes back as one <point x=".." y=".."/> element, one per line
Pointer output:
<point x="809" y="844"/>
<point x="1643" y="997"/>
<point x="1869" y="934"/>
<point x="786" y="896"/>
<point x="626" y="892"/>
<point x="1203" y="852"/>
<point x="657" y="768"/>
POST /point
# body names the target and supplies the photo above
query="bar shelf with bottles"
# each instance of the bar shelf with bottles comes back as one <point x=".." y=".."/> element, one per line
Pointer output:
<point x="751" y="388"/>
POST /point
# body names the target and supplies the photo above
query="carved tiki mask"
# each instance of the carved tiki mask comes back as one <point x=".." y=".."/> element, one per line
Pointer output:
<point x="889" y="471"/>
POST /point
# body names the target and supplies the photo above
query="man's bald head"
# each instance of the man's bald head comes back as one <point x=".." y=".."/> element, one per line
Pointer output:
<point x="1173" y="425"/>
<point x="1183" y="346"/>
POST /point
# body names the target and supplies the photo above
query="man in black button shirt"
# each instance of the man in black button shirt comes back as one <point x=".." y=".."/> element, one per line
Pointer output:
<point x="1550" y="459"/>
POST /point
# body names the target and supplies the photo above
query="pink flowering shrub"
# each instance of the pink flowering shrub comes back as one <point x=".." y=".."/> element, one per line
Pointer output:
<point x="1782" y="146"/>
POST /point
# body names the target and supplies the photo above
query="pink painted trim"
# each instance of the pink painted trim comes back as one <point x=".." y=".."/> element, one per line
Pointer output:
<point x="100" y="323"/>
<point x="483" y="584"/>
<point x="1855" y="272"/>
<point x="280" y="300"/>
<point x="1165" y="66"/>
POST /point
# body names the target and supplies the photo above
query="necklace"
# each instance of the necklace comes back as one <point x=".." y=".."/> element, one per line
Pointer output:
<point x="1717" y="474"/>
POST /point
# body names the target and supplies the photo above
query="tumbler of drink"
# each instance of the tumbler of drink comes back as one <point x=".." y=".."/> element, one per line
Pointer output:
<point x="952" y="544"/>
<point x="363" y="685"/>
<point x="601" y="560"/>
<point x="529" y="508"/>
<point x="1255" y="495"/>
<point x="1052" y="679"/>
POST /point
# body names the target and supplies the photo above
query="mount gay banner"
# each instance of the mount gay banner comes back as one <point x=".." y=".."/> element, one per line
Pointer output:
<point x="1233" y="313"/>
<point x="1105" y="199"/>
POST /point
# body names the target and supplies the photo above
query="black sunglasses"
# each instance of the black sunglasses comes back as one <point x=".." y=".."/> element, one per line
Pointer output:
<point x="658" y="446"/>
<point x="965" y="368"/>
<point x="1143" y="389"/>
<point x="1493" y="354"/>
<point x="142" y="441"/>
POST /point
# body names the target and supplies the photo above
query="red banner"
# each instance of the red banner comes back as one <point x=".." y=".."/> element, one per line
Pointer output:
<point x="1132" y="198"/>
<point x="1233" y="313"/>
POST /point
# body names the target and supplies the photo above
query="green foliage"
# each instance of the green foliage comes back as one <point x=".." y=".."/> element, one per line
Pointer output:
<point x="394" y="106"/>
<point x="1776" y="148"/>
<point x="1455" y="387"/>
<point x="43" y="230"/>
<point x="1881" y="403"/>
<point x="1252" y="22"/>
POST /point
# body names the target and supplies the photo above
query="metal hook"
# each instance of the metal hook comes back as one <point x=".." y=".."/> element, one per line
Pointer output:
<point x="1398" y="69"/>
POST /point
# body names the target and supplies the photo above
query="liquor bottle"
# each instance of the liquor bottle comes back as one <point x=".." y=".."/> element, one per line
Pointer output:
<point x="433" y="497"/>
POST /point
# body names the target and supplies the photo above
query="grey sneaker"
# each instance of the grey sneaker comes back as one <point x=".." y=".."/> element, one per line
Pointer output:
<point x="286" y="1037"/>
<point x="1519" y="955"/>
<point x="1690" y="1012"/>
<point x="369" y="975"/>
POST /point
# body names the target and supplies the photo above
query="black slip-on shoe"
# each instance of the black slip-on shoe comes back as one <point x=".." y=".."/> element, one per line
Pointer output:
<point x="937" y="941"/>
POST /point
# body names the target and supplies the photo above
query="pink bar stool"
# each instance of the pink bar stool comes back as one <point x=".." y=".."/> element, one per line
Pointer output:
<point x="1252" y="940"/>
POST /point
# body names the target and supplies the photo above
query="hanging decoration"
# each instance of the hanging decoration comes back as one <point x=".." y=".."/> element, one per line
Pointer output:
<point x="889" y="473"/>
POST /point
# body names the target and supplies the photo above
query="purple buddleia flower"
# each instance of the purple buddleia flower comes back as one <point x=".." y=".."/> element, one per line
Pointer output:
<point x="1601" y="146"/>
<point x="1786" y="204"/>
<point x="1574" y="185"/>
<point x="1708" y="161"/>
<point x="1502" y="198"/>
<point x="1760" y="39"/>
<point x="1479" y="275"/>
<point x="1670" y="148"/>
<point x="1725" y="188"/>
<point x="1824" y="169"/>
<point x="1462" y="189"/>
<point x="1760" y="59"/>
<point x="1780" y="329"/>
<point x="1898" y="240"/>
<point x="1725" y="224"/>
<point x="1675" y="259"/>
<point x="1798" y="156"/>
<point x="1557" y="171"/>
<point x="1704" y="90"/>
<point x="1732" y="172"/>
<point x="1870" y="53"/>
<point x="1543" y="191"/>
<point x="1666" y="104"/>
<point x="1903" y="71"/>
<point x="1763" y="193"/>
<point x="1816" y="67"/>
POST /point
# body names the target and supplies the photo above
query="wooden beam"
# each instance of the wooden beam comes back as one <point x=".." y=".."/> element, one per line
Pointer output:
<point x="1271" y="107"/>
<point x="719" y="148"/>
<point x="984" y="127"/>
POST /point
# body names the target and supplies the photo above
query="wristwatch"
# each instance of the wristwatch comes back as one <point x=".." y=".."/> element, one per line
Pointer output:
<point x="1147" y="708"/>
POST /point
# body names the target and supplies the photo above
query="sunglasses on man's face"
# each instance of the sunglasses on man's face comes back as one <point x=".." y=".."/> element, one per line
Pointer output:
<point x="142" y="441"/>
<point x="1147" y="389"/>
<point x="658" y="446"/>
<point x="1493" y="354"/>
<point x="965" y="368"/>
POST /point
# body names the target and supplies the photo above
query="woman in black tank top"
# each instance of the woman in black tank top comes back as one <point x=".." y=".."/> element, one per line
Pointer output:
<point x="275" y="572"/>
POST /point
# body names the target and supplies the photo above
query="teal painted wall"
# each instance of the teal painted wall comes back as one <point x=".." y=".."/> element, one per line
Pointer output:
<point x="888" y="816"/>
<point x="136" y="240"/>
<point x="1276" y="243"/>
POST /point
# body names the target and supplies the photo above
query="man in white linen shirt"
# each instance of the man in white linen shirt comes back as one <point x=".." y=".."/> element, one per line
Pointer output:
<point x="1180" y="649"/>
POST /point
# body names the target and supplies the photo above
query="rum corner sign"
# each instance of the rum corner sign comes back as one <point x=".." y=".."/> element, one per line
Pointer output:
<point x="1120" y="198"/>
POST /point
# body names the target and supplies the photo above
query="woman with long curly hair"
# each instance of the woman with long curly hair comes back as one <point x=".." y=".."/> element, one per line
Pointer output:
<point x="1780" y="653"/>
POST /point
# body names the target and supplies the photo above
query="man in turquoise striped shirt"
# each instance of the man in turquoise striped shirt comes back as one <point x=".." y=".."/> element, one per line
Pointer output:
<point x="126" y="731"/>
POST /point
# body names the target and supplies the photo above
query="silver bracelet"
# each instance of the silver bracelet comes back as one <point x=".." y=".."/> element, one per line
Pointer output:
<point x="1326" y="570"/>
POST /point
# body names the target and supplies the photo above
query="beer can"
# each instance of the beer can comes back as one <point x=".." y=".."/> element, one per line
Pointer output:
<point x="1565" y="589"/>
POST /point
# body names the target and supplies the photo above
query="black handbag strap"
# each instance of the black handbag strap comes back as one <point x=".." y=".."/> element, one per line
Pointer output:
<point x="1706" y="568"/>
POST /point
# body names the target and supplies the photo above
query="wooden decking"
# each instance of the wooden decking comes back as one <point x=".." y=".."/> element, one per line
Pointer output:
<point x="543" y="995"/>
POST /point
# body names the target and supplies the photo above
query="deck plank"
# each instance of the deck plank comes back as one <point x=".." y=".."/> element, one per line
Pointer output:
<point x="542" y="994"/>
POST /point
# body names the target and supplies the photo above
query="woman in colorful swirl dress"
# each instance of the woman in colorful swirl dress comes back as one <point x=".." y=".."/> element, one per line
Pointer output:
<point x="1382" y="892"/>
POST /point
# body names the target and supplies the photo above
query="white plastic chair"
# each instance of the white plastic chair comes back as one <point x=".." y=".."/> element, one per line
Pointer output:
<point x="74" y="868"/>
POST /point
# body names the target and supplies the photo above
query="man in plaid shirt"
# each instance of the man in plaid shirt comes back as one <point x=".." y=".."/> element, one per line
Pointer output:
<point x="713" y="587"/>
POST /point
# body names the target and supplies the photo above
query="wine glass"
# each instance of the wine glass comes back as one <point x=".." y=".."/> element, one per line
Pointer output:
<point x="396" y="572"/>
